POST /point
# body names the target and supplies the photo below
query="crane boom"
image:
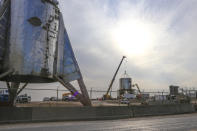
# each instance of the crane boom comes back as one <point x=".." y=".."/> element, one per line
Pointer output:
<point x="138" y="88"/>
<point x="112" y="81"/>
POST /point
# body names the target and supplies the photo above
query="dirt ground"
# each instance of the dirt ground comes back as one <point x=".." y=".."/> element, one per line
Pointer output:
<point x="95" y="103"/>
<point x="68" y="104"/>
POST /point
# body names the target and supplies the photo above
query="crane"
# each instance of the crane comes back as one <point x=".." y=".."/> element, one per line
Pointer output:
<point x="137" y="88"/>
<point x="107" y="96"/>
<point x="139" y="96"/>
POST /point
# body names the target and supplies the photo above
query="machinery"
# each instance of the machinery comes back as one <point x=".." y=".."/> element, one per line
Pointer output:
<point x="125" y="87"/>
<point x="126" y="90"/>
<point x="23" y="98"/>
<point x="107" y="96"/>
<point x="65" y="96"/>
<point x="127" y="93"/>
<point x="139" y="95"/>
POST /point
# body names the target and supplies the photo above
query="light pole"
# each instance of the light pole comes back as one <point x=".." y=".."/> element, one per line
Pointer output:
<point x="57" y="92"/>
<point x="91" y="93"/>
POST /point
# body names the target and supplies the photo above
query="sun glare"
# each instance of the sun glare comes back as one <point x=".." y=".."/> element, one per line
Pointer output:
<point x="133" y="37"/>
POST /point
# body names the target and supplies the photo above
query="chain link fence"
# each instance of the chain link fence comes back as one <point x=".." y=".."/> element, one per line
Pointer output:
<point x="39" y="94"/>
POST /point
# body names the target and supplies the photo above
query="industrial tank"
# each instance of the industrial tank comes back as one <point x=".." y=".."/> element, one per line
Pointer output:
<point x="125" y="83"/>
<point x="37" y="45"/>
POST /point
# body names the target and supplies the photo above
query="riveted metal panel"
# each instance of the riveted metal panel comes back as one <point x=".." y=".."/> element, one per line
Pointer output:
<point x="4" y="28"/>
<point x="67" y="66"/>
<point x="33" y="39"/>
<point x="38" y="45"/>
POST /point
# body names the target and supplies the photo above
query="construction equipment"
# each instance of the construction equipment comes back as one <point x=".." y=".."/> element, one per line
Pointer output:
<point x="139" y="96"/>
<point x="125" y="84"/>
<point x="65" y="96"/>
<point x="23" y="98"/>
<point x="107" y="96"/>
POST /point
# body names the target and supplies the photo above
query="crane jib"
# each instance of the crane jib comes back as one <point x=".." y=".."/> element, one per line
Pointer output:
<point x="112" y="81"/>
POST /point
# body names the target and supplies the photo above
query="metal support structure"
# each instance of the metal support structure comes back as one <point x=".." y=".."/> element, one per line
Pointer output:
<point x="84" y="91"/>
<point x="6" y="73"/>
<point x="13" y="93"/>
<point x="8" y="85"/>
<point x="57" y="60"/>
<point x="81" y="97"/>
<point x="12" y="88"/>
<point x="5" y="5"/>
<point x="21" y="89"/>
<point x="137" y="88"/>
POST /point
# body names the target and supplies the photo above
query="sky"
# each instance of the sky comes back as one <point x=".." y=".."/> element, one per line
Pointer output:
<point x="157" y="36"/>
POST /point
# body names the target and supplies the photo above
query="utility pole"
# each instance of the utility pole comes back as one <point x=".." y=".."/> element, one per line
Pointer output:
<point x="57" y="93"/>
<point x="91" y="93"/>
<point x="162" y="97"/>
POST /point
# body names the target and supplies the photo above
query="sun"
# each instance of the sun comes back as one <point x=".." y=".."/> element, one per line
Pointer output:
<point x="133" y="37"/>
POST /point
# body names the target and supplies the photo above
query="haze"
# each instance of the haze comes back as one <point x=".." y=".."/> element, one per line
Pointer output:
<point x="158" y="37"/>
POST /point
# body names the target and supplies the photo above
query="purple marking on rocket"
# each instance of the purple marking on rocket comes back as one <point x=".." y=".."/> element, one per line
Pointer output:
<point x="75" y="94"/>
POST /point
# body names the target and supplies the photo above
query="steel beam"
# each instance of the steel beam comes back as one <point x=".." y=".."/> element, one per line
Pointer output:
<point x="71" y="88"/>
<point x="6" y="73"/>
<point x="84" y="91"/>
<point x="21" y="89"/>
<point x="13" y="93"/>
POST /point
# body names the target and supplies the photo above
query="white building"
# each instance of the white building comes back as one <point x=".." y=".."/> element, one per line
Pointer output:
<point x="3" y="92"/>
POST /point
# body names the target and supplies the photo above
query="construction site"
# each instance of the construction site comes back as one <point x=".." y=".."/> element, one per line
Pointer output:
<point x="127" y="95"/>
<point x="36" y="49"/>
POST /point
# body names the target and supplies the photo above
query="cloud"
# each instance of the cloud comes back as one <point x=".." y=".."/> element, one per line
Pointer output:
<point x="169" y="56"/>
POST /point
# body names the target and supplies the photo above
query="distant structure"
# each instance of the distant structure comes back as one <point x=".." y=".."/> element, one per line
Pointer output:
<point x="125" y="86"/>
<point x="125" y="83"/>
<point x="174" y="90"/>
<point x="35" y="47"/>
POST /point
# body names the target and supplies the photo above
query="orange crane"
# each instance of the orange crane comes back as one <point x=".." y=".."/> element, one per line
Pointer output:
<point x="139" y="96"/>
<point x="66" y="94"/>
<point x="107" y="96"/>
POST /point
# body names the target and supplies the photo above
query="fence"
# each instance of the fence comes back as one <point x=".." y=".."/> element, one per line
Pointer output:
<point x="37" y="94"/>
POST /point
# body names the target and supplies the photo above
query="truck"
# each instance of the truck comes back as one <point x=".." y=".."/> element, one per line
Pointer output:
<point x="4" y="95"/>
<point x="23" y="98"/>
<point x="4" y="98"/>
